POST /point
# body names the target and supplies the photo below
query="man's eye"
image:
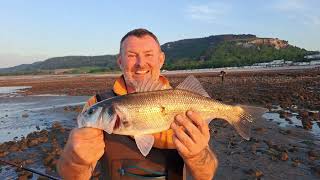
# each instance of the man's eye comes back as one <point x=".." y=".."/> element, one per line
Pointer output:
<point x="131" y="55"/>
<point x="149" y="55"/>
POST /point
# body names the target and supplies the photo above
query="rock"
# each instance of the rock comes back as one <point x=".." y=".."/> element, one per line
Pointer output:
<point x="32" y="142"/>
<point x="28" y="161"/>
<point x="293" y="149"/>
<point x="25" y="175"/>
<point x="47" y="160"/>
<point x="288" y="120"/>
<point x="312" y="155"/>
<point x="254" y="172"/>
<point x="23" y="146"/>
<point x="3" y="154"/>
<point x="43" y="139"/>
<point x="284" y="156"/>
<point x="260" y="129"/>
<point x="56" y="125"/>
<point x="42" y="178"/>
<point x="316" y="169"/>
<point x="307" y="124"/>
<point x="295" y="164"/>
<point x="284" y="114"/>
<point x="25" y="115"/>
<point x="14" y="148"/>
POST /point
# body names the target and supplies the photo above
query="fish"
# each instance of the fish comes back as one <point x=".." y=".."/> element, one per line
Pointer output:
<point x="152" y="108"/>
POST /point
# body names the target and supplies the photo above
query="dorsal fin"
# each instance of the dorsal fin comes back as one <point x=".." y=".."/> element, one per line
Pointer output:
<point x="149" y="84"/>
<point x="192" y="84"/>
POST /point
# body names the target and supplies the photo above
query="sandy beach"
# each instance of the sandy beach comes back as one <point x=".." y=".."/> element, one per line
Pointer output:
<point x="285" y="142"/>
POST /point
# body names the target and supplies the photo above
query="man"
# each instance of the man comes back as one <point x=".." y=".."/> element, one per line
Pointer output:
<point x="187" y="139"/>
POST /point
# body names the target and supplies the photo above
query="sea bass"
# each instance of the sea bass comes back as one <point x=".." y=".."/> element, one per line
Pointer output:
<point x="152" y="109"/>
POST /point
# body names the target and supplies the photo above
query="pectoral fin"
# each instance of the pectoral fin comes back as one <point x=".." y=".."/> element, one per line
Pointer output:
<point x="144" y="143"/>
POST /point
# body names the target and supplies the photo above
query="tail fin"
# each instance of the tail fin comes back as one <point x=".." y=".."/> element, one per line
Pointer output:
<point x="244" y="117"/>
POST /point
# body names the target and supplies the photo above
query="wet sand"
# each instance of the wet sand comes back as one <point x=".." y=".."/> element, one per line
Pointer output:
<point x="274" y="152"/>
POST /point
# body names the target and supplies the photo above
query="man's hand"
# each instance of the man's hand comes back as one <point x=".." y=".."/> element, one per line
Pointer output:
<point x="83" y="149"/>
<point x="191" y="137"/>
<point x="191" y="134"/>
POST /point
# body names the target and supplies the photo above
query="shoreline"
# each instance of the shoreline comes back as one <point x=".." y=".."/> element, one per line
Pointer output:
<point x="273" y="152"/>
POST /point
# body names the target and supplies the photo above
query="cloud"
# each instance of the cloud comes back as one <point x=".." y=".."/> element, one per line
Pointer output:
<point x="290" y="5"/>
<point x="209" y="13"/>
<point x="303" y="11"/>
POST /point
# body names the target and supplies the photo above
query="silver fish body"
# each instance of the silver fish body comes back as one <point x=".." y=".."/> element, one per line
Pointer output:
<point x="151" y="110"/>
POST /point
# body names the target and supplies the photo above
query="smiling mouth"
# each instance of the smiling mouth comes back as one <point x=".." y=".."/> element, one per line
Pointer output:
<point x="140" y="72"/>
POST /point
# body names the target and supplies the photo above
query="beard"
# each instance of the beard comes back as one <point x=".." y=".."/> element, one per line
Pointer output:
<point x="138" y="76"/>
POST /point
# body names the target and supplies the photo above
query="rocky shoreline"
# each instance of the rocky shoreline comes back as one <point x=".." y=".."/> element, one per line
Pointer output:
<point x="274" y="152"/>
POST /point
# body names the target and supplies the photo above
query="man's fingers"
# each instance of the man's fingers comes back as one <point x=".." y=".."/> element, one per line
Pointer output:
<point x="182" y="136"/>
<point x="197" y="120"/>
<point x="192" y="130"/>
<point x="180" y="146"/>
<point x="86" y="133"/>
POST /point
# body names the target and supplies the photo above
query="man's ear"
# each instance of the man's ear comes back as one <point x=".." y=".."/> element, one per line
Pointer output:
<point x="162" y="57"/>
<point x="119" y="61"/>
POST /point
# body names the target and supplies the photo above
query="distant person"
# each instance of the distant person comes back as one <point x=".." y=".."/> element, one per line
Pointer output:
<point x="140" y="55"/>
<point x="222" y="74"/>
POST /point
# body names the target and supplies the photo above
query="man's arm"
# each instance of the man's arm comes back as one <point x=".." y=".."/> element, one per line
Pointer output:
<point x="84" y="148"/>
<point x="203" y="166"/>
<point x="191" y="139"/>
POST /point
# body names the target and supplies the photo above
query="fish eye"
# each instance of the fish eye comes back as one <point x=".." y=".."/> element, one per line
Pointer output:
<point x="90" y="111"/>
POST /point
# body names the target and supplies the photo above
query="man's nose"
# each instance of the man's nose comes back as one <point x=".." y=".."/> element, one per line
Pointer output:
<point x="141" y="61"/>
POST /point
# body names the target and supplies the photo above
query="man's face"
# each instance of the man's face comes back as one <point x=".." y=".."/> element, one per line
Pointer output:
<point x="140" y="57"/>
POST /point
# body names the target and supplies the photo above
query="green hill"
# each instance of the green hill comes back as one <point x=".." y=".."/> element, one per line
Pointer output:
<point x="207" y="52"/>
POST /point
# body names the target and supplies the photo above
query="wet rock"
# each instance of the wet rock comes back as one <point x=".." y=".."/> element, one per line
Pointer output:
<point x="14" y="148"/>
<point x="260" y="130"/>
<point x="284" y="156"/>
<point x="316" y="169"/>
<point x="269" y="143"/>
<point x="288" y="120"/>
<point x="313" y="155"/>
<point x="284" y="114"/>
<point x="307" y="124"/>
<point x="47" y="160"/>
<point x="254" y="172"/>
<point x="23" y="145"/>
<point x="42" y="178"/>
<point x="24" y="175"/>
<point x="293" y="149"/>
<point x="56" y="125"/>
<point x="295" y="163"/>
<point x="28" y="161"/>
<point x="32" y="142"/>
<point x="25" y="115"/>
<point x="3" y="154"/>
<point x="284" y="132"/>
<point x="43" y="139"/>
<point x="254" y="148"/>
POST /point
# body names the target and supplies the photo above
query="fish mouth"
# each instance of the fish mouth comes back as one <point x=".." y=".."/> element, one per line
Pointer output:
<point x="117" y="124"/>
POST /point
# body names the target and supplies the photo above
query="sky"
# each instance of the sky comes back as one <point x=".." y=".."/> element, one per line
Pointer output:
<point x="34" y="30"/>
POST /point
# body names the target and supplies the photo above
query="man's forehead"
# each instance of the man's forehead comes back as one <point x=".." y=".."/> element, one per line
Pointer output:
<point x="144" y="43"/>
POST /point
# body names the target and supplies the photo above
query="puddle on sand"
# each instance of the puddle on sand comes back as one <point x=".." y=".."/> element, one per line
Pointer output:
<point x="11" y="91"/>
<point x="21" y="115"/>
<point x="292" y="120"/>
